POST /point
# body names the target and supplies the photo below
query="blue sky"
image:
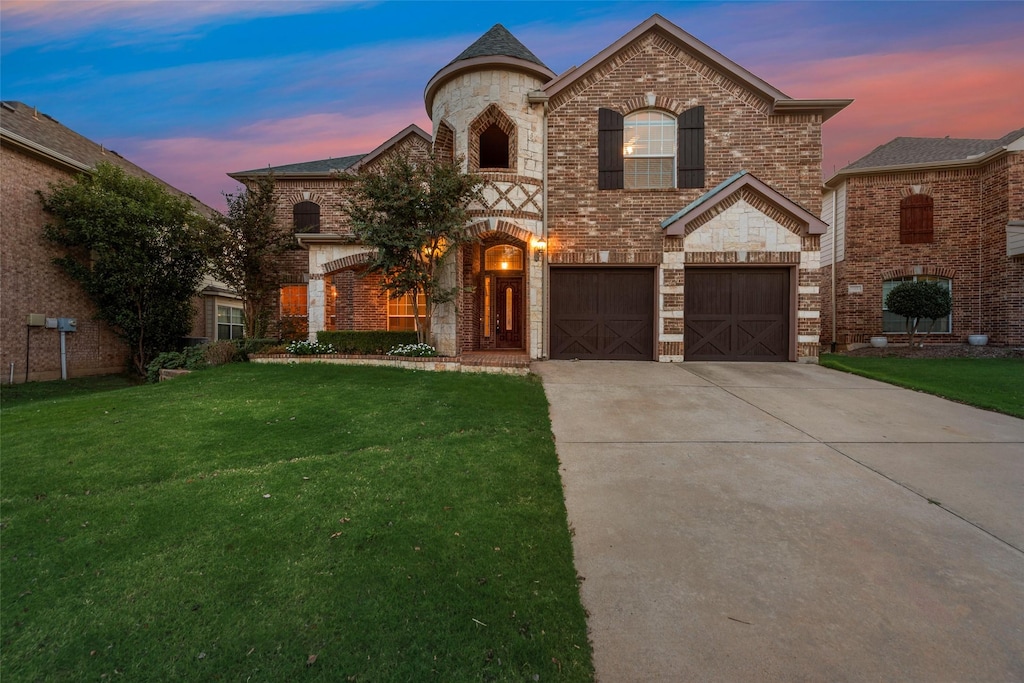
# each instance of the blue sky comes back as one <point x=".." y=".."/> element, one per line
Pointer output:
<point x="193" y="90"/>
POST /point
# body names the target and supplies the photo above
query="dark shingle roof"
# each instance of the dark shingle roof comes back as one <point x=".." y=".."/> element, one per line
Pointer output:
<point x="50" y="136"/>
<point x="904" y="151"/>
<point x="498" y="42"/>
<point x="322" y="166"/>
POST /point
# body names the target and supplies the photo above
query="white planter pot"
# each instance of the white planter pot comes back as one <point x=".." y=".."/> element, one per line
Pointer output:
<point x="879" y="342"/>
<point x="977" y="339"/>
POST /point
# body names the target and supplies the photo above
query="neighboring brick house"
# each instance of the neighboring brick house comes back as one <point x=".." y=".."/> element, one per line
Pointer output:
<point x="948" y="210"/>
<point x="658" y="202"/>
<point x="35" y="151"/>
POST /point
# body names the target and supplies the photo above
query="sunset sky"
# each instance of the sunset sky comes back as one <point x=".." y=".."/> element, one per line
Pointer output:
<point x="192" y="90"/>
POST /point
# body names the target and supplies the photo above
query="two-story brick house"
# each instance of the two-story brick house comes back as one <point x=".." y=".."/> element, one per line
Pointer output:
<point x="940" y="209"/>
<point x="658" y="202"/>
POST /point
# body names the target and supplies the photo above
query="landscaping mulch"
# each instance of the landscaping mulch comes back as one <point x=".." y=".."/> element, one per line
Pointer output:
<point x="936" y="351"/>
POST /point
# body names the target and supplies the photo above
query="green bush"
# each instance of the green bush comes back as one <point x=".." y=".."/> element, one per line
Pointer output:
<point x="219" y="353"/>
<point x="918" y="300"/>
<point x="191" y="358"/>
<point x="375" y="342"/>
<point x="248" y="346"/>
<point x="307" y="348"/>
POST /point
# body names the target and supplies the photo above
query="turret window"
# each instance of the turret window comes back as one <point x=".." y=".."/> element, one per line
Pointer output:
<point x="494" y="147"/>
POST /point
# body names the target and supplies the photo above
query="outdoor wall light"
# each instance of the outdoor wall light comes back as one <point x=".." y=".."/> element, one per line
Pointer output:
<point x="538" y="250"/>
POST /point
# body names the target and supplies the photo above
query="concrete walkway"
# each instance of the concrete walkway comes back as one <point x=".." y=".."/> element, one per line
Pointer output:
<point x="785" y="522"/>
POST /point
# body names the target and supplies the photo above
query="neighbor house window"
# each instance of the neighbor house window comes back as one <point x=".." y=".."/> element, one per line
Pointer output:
<point x="897" y="324"/>
<point x="402" y="314"/>
<point x="230" y="322"/>
<point x="916" y="219"/>
<point x="306" y="216"/>
<point x="293" y="301"/>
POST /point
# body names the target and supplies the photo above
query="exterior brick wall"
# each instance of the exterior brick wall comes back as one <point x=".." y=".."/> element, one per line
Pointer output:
<point x="971" y="209"/>
<point x="588" y="225"/>
<point x="32" y="284"/>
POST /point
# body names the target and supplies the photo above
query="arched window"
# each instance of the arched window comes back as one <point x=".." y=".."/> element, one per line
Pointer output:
<point x="649" y="150"/>
<point x="896" y="324"/>
<point x="916" y="219"/>
<point x="493" y="147"/>
<point x="307" y="217"/>
<point x="503" y="257"/>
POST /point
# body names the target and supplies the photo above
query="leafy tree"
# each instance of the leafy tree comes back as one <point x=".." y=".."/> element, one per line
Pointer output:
<point x="138" y="251"/>
<point x="414" y="214"/>
<point x="918" y="300"/>
<point x="250" y="251"/>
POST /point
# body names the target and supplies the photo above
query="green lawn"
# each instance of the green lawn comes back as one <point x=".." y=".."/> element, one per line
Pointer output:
<point x="281" y="523"/>
<point x="990" y="383"/>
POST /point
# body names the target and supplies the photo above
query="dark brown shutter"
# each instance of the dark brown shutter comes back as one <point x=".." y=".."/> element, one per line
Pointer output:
<point x="916" y="219"/>
<point x="690" y="159"/>
<point x="609" y="149"/>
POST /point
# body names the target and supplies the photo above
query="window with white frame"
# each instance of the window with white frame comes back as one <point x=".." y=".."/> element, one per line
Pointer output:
<point x="230" y="322"/>
<point x="402" y="314"/>
<point x="649" y="150"/>
<point x="896" y="324"/>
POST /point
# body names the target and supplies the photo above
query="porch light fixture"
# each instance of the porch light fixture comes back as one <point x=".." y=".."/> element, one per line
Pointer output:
<point x="538" y="250"/>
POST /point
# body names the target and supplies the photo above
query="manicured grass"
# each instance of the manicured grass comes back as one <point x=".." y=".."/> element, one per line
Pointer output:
<point x="14" y="394"/>
<point x="990" y="383"/>
<point x="283" y="523"/>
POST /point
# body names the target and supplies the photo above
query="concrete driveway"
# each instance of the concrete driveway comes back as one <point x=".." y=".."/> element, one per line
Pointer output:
<point x="784" y="522"/>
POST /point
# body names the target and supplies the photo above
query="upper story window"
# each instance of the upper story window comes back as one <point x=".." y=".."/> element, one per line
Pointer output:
<point x="650" y="149"/>
<point x="916" y="213"/>
<point x="307" y="217"/>
<point x="492" y="140"/>
<point x="493" y="147"/>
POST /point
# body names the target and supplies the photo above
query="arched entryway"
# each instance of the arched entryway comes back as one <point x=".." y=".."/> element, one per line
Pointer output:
<point x="500" y="299"/>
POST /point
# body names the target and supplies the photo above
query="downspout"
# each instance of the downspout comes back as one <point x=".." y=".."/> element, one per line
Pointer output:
<point x="540" y="97"/>
<point x="835" y="238"/>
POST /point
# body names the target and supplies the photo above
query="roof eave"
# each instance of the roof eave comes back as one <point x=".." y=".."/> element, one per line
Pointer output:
<point x="844" y="173"/>
<point x="41" y="151"/>
<point x="478" y="63"/>
<point x="826" y="108"/>
<point x="675" y="226"/>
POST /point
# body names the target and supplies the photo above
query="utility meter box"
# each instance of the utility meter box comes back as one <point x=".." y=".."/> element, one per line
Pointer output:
<point x="67" y="324"/>
<point x="36" y="319"/>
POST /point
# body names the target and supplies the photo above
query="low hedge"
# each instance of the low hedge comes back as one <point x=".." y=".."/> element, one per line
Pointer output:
<point x="366" y="342"/>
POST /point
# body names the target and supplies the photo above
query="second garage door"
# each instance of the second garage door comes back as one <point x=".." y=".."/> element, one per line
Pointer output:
<point x="602" y="313"/>
<point x="737" y="314"/>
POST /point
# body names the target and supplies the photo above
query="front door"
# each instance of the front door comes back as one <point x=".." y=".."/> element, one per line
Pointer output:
<point x="508" y="312"/>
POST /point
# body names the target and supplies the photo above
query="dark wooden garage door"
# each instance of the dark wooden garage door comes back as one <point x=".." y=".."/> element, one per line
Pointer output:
<point x="737" y="314"/>
<point x="602" y="313"/>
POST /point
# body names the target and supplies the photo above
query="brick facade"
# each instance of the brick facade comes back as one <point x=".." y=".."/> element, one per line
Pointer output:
<point x="33" y="284"/>
<point x="972" y="204"/>
<point x="551" y="123"/>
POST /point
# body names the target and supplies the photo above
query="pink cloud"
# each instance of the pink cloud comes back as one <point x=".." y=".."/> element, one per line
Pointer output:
<point x="199" y="165"/>
<point x="961" y="93"/>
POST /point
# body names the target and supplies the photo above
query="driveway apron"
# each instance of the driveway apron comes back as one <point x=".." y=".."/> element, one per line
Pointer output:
<point x="785" y="522"/>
